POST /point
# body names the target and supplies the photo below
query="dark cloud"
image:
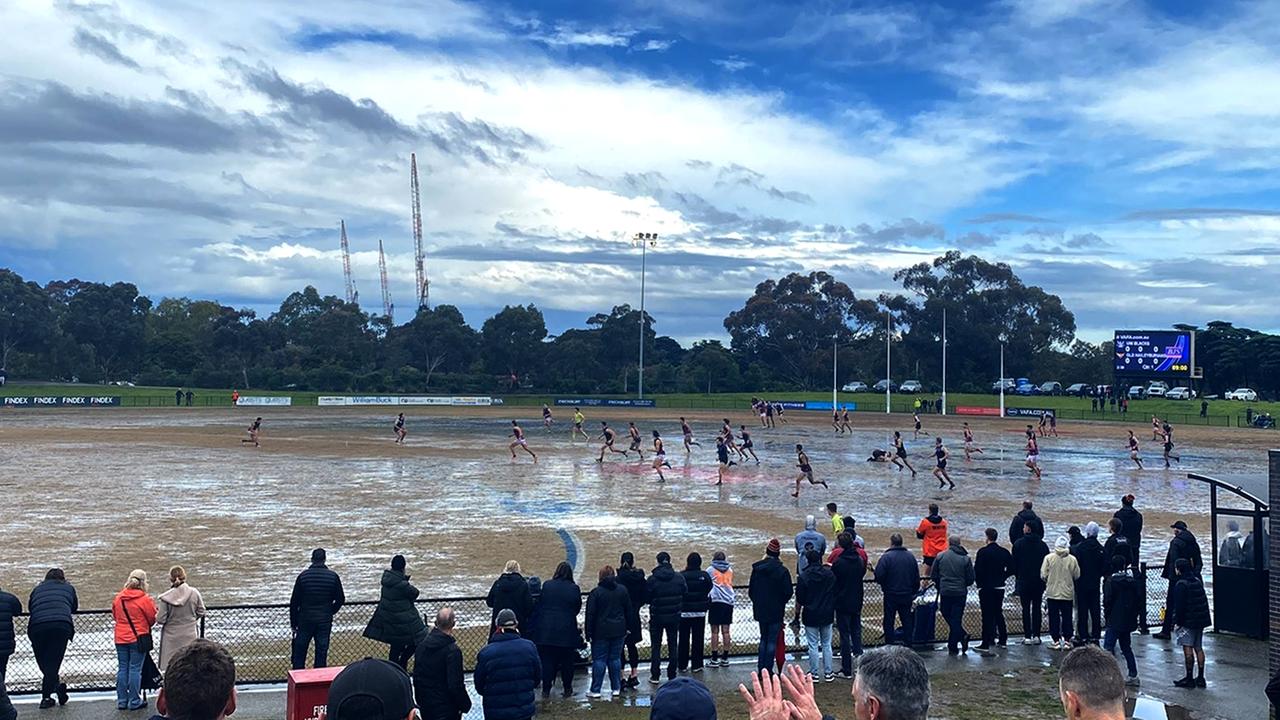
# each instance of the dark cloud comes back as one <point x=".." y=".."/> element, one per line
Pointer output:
<point x="302" y="105"/>
<point x="905" y="229"/>
<point x="87" y="187"/>
<point x="741" y="176"/>
<point x="1005" y="217"/>
<point x="102" y="48"/>
<point x="107" y="20"/>
<point x="1191" y="213"/>
<point x="975" y="240"/>
<point x="698" y="165"/>
<point x="1085" y="241"/>
<point x="477" y="140"/>
<point x="52" y="112"/>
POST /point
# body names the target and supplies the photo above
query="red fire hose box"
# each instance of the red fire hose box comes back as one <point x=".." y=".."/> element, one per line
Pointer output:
<point x="309" y="692"/>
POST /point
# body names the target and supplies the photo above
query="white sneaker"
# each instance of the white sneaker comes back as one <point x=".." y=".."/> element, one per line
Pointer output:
<point x="1028" y="641"/>
<point x="1055" y="645"/>
<point x="593" y="694"/>
<point x="1037" y="640"/>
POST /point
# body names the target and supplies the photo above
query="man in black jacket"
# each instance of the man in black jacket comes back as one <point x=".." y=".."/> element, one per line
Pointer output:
<point x="992" y="568"/>
<point x="1028" y="553"/>
<point x="632" y="578"/>
<point x="769" y="590"/>
<point x="1189" y="607"/>
<point x="665" y="589"/>
<point x="438" y="685"/>
<point x="1118" y="544"/>
<point x="317" y="596"/>
<point x="849" y="571"/>
<point x="1131" y="525"/>
<point x="10" y="606"/>
<point x="898" y="575"/>
<point x="816" y="598"/>
<point x="1026" y="516"/>
<point x="1092" y="561"/>
<point x="1120" y="601"/>
<point x="693" y="614"/>
<point x="1183" y="546"/>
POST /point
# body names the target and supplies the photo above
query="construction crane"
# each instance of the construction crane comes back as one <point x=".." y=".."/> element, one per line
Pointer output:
<point x="419" y="255"/>
<point x="353" y="296"/>
<point x="388" y="308"/>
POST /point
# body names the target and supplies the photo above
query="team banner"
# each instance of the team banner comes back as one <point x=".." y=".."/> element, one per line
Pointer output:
<point x="61" y="401"/>
<point x="605" y="402"/>
<point x="396" y="400"/>
<point x="1028" y="412"/>
<point x="264" y="400"/>
<point x="826" y="405"/>
<point x="974" y="410"/>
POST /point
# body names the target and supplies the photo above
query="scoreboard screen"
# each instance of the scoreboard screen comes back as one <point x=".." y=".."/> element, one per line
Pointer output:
<point x="1155" y="353"/>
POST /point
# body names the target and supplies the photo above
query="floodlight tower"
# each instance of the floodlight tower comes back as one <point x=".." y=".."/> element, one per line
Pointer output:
<point x="388" y="308"/>
<point x="353" y="296"/>
<point x="419" y="254"/>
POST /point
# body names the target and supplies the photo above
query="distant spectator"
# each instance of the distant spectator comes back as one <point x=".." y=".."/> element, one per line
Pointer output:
<point x="632" y="578"/>
<point x="190" y="397"/>
<point x="1090" y="686"/>
<point x="720" y="610"/>
<point x="200" y="684"/>
<point x="608" y="607"/>
<point x="769" y="590"/>
<point x="1060" y="571"/>
<point x="4" y="376"/>
<point x="1183" y="546"/>
<point x="1120" y="604"/>
<point x="1026" y="516"/>
<point x="898" y="575"/>
<point x="177" y="397"/>
<point x="50" y="627"/>
<point x="134" y="613"/>
<point x="511" y="591"/>
<point x="556" y="633"/>
<point x="1189" y="607"/>
<point x="10" y="607"/>
<point x="693" y="614"/>
<point x="992" y="568"/>
<point x="507" y="672"/>
<point x="317" y="596"/>
<point x="438" y="679"/>
<point x="953" y="572"/>
<point x="665" y="590"/>
<point x="809" y="539"/>
<point x="849" y="571"/>
<point x="371" y="689"/>
<point x="178" y="614"/>
<point x="1093" y="565"/>
<point x="816" y="597"/>
<point x="1028" y="555"/>
<point x="933" y="531"/>
<point x="1231" y="552"/>
<point x="683" y="699"/>
<point x="396" y="620"/>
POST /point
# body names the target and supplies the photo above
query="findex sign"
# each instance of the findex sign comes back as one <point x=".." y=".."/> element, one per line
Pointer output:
<point x="60" y="401"/>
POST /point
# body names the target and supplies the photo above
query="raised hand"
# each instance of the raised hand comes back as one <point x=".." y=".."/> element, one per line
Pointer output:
<point x="764" y="700"/>
<point x="799" y="686"/>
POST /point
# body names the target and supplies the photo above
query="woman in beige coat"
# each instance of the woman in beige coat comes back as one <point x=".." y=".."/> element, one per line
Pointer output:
<point x="179" y="612"/>
<point x="1060" y="570"/>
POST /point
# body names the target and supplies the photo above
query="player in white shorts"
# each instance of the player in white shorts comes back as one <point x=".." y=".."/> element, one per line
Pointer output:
<point x="520" y="442"/>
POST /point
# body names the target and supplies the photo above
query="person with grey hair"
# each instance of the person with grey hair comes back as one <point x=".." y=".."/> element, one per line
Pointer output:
<point x="891" y="683"/>
<point x="1090" y="685"/>
<point x="809" y="539"/>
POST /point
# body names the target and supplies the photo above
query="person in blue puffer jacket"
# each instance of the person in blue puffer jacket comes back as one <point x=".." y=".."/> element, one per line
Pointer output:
<point x="508" y="672"/>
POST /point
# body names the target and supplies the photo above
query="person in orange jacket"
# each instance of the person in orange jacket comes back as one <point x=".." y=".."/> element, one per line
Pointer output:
<point x="933" y="531"/>
<point x="134" y="612"/>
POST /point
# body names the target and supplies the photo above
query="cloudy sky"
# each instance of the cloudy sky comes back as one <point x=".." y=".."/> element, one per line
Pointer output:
<point x="1123" y="155"/>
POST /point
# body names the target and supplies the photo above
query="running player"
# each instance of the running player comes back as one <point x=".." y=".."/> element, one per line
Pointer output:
<point x="400" y="431"/>
<point x="747" y="446"/>
<point x="1033" y="453"/>
<point x="835" y="419"/>
<point x="1053" y="424"/>
<point x="253" y="431"/>
<point x="688" y="435"/>
<point x="608" y="435"/>
<point x="1043" y="427"/>
<point x="1133" y="449"/>
<point x="915" y="414"/>
<point x="806" y="470"/>
<point x="520" y="441"/>
<point x="900" y="454"/>
<point x="659" y="456"/>
<point x="722" y="457"/>
<point x="970" y="446"/>
<point x="546" y="416"/>
<point x="578" y="419"/>
<point x="845" y="425"/>
<point x="768" y="413"/>
<point x="777" y="408"/>
<point x="940" y="471"/>
<point x="762" y="407"/>
<point x="1168" y="449"/>
<point x="635" y="439"/>
<point x="1155" y="428"/>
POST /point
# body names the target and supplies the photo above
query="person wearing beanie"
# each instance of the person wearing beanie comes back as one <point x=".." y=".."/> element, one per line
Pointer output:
<point x="683" y="699"/>
<point x="665" y="591"/>
<point x="1093" y="564"/>
<point x="632" y="578"/>
<point x="769" y="589"/>
<point x="1029" y="553"/>
<point x="317" y="596"/>
<point x="396" y="620"/>
<point x="508" y="672"/>
<point x="1060" y="571"/>
<point x="720" y="615"/>
<point x="693" y="614"/>
<point x="1183" y="546"/>
<point x="1189" y="608"/>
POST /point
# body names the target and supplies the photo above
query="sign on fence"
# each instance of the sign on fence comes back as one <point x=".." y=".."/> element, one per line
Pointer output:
<point x="826" y="405"/>
<point x="356" y="400"/>
<point x="264" y="400"/>
<point x="974" y="410"/>
<point x="605" y="402"/>
<point x="1028" y="412"/>
<point x="61" y="401"/>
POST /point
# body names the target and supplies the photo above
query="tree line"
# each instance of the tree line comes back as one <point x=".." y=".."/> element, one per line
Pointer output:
<point x="782" y="338"/>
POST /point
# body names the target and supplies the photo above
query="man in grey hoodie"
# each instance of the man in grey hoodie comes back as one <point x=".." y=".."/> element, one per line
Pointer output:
<point x="952" y="572"/>
<point x="809" y="539"/>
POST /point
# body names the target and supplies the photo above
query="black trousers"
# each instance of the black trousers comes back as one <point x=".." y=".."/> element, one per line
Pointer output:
<point x="991" y="603"/>
<point x="1089" y="614"/>
<point x="557" y="660"/>
<point x="7" y="712"/>
<point x="1032" y="612"/>
<point x="400" y="654"/>
<point x="49" y="646"/>
<point x="692" y="643"/>
<point x="656" y="632"/>
<point x="903" y="609"/>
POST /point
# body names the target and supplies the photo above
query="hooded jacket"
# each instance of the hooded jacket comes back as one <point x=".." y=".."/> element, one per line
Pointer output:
<point x="141" y="611"/>
<point x="992" y="567"/>
<point x="1093" y="563"/>
<point x="953" y="572"/>
<point x="1120" y="601"/>
<point x="438" y="685"/>
<point x="51" y="604"/>
<point x="632" y="579"/>
<point x="608" y="607"/>
<point x="396" y="620"/>
<point x="1028" y="556"/>
<point x="933" y="531"/>
<point x="1023" y="517"/>
<point x="898" y="574"/>
<point x="769" y="589"/>
<point x="665" y="590"/>
<point x="697" y="593"/>
<point x="816" y="595"/>
<point x="507" y="672"/>
<point x="1131" y="525"/>
<point x="849" y="570"/>
<point x="10" y="607"/>
<point x="1231" y="553"/>
<point x="317" y="596"/>
<point x="1059" y="571"/>
<point x="511" y="591"/>
<point x="1118" y="544"/>
<point x="178" y="613"/>
<point x="1183" y="545"/>
<point x="557" y="613"/>
<point x="1189" y="604"/>
<point x="722" y="583"/>
<point x="809" y="536"/>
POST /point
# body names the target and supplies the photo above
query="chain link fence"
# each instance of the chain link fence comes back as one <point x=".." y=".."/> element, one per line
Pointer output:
<point x="259" y="636"/>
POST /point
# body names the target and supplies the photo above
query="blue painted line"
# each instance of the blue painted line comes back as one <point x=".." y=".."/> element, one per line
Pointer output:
<point x="570" y="546"/>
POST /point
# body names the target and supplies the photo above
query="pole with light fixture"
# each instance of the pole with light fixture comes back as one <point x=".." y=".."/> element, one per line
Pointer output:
<point x="645" y="240"/>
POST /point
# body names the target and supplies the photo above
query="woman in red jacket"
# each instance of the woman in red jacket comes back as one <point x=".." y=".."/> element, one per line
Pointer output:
<point x="134" y="613"/>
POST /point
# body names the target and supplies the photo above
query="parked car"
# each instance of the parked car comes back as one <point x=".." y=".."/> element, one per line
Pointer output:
<point x="1137" y="392"/>
<point x="1157" y="388"/>
<point x="1179" y="393"/>
<point x="1026" y="387"/>
<point x="882" y="385"/>
<point x="911" y="386"/>
<point x="1242" y="394"/>
<point x="1007" y="383"/>
<point x="1051" y="388"/>
<point x="1079" y="390"/>
<point x="855" y="386"/>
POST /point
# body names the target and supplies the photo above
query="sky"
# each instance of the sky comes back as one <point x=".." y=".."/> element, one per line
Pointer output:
<point x="1122" y="155"/>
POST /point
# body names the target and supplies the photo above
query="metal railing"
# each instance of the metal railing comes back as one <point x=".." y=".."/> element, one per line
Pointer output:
<point x="259" y="636"/>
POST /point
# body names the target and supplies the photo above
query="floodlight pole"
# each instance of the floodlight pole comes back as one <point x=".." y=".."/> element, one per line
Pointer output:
<point x="1001" y="379"/>
<point x="944" y="361"/>
<point x="644" y="240"/>
<point x="888" y="380"/>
